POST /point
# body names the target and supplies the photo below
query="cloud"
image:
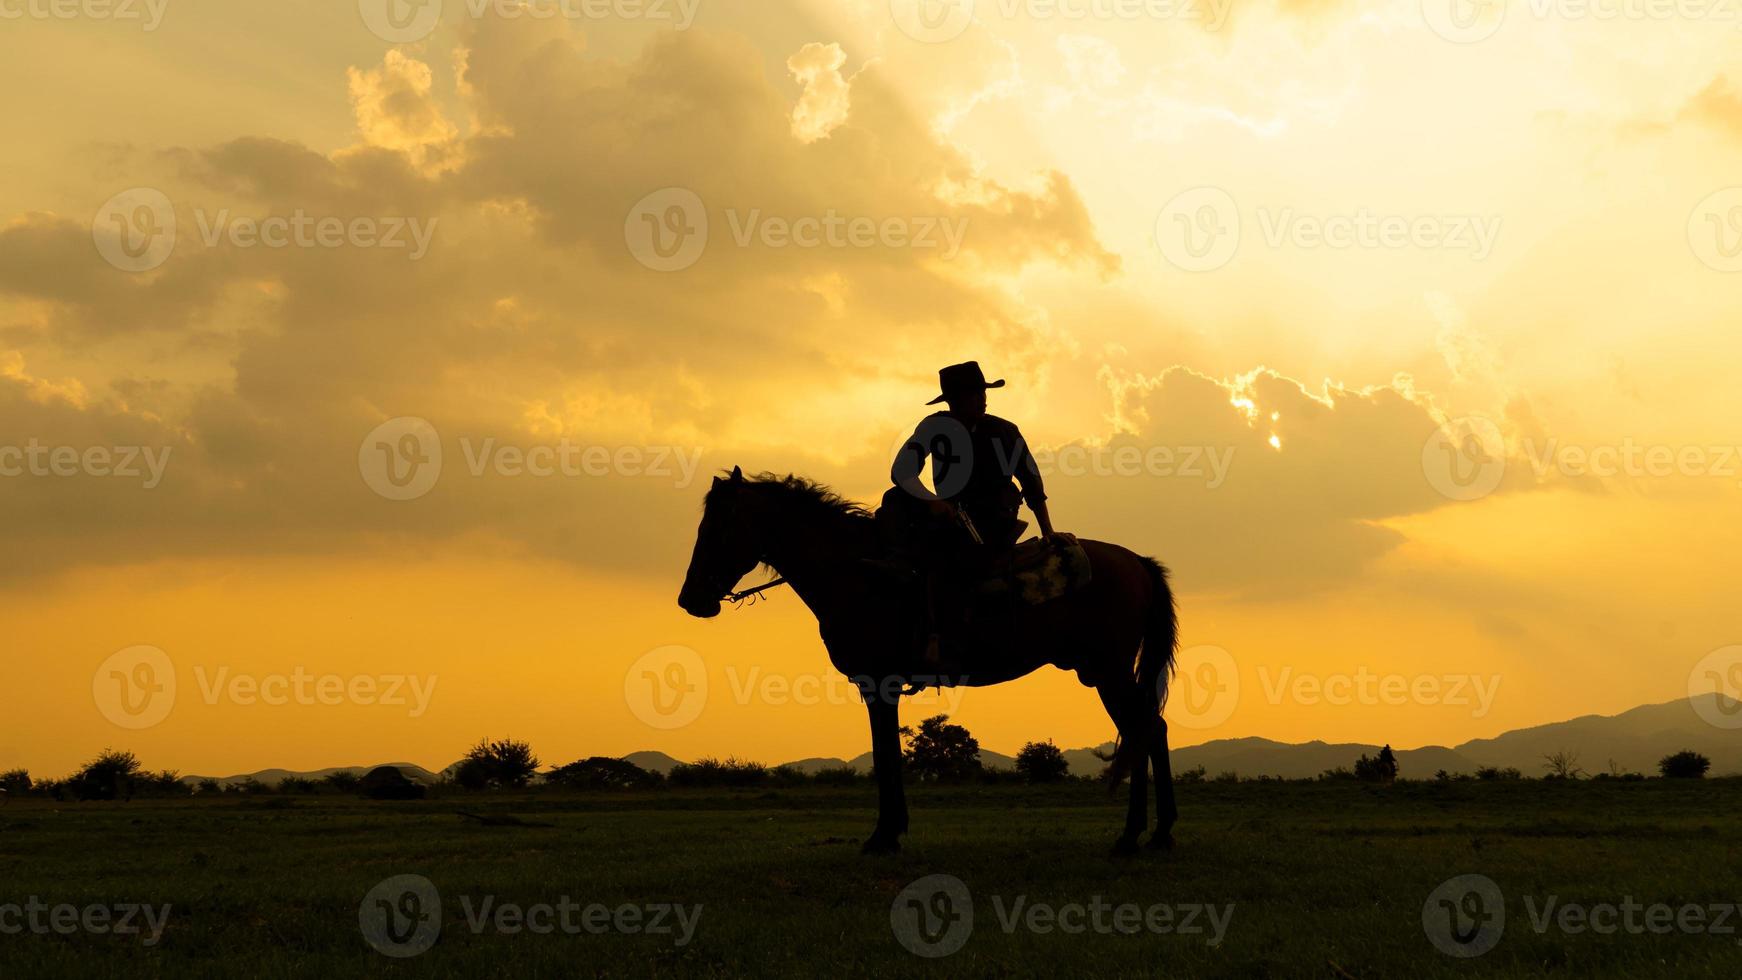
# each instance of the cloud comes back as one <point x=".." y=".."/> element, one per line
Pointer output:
<point x="529" y="321"/>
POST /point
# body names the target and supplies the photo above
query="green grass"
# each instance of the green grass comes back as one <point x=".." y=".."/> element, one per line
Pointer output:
<point x="1326" y="880"/>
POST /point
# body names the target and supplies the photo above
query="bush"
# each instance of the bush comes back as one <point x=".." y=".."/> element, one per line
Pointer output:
<point x="1492" y="772"/>
<point x="1193" y="775"/>
<point x="298" y="784"/>
<point x="836" y="776"/>
<point x="1042" y="762"/>
<point x="1686" y="764"/>
<point x="1336" y="775"/>
<point x="713" y="772"/>
<point x="342" y="782"/>
<point x="16" y="782"/>
<point x="1382" y="769"/>
<point x="110" y="776"/>
<point x="502" y="764"/>
<point x="1227" y="776"/>
<point x="600" y="772"/>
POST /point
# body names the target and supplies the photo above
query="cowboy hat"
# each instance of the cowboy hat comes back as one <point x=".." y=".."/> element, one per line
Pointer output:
<point x="958" y="379"/>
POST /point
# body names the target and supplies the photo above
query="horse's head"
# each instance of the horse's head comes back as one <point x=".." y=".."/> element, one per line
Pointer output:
<point x="726" y="548"/>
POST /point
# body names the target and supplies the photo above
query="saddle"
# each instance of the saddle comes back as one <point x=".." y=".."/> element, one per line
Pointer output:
<point x="1035" y="572"/>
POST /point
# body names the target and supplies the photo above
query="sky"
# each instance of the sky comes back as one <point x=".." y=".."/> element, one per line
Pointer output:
<point x="363" y="365"/>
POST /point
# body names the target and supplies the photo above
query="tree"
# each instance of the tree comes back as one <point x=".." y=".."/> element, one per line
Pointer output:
<point x="109" y="776"/>
<point x="600" y="772"/>
<point x="1042" y="762"/>
<point x="1563" y="765"/>
<point x="341" y="781"/>
<point x="502" y="764"/>
<point x="1686" y="764"/>
<point x="940" y="750"/>
<point x="1382" y="769"/>
<point x="16" y="782"/>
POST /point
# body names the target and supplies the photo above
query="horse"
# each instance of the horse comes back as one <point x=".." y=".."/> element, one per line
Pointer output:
<point x="1119" y="632"/>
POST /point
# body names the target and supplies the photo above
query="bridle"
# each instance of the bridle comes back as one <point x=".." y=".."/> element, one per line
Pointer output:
<point x="725" y="588"/>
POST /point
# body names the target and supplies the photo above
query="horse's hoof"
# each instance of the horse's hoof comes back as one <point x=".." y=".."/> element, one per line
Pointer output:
<point x="1161" y="841"/>
<point x="878" y="845"/>
<point x="1125" y="847"/>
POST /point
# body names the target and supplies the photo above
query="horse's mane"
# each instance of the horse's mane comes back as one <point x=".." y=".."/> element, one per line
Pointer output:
<point x="800" y="496"/>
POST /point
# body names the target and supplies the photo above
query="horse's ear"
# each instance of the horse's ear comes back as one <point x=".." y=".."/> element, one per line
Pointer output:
<point x="737" y="475"/>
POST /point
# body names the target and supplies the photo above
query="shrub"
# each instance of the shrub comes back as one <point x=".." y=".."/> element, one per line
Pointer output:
<point x="502" y="764"/>
<point x="713" y="772"/>
<point x="297" y="784"/>
<point x="1042" y="762"/>
<point x="16" y="782"/>
<point x="1686" y="764"/>
<point x="1193" y="775"/>
<point x="110" y="776"/>
<point x="1492" y="772"/>
<point x="1382" y="769"/>
<point x="1563" y="765"/>
<point x="836" y="776"/>
<point x="342" y="782"/>
<point x="600" y="772"/>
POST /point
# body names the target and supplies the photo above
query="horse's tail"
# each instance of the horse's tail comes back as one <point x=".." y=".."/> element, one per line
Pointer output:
<point x="1161" y="637"/>
<point x="1153" y="670"/>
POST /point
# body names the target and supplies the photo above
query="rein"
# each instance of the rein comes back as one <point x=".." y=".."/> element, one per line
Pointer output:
<point x="737" y="597"/>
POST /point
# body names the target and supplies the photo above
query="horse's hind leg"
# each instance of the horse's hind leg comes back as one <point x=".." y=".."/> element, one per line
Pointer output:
<point x="1165" y="810"/>
<point x="1125" y="706"/>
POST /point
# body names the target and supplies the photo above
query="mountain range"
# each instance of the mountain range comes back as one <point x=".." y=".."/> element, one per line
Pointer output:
<point x="1632" y="741"/>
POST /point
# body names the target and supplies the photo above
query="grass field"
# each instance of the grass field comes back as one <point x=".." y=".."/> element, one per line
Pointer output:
<point x="1323" y="879"/>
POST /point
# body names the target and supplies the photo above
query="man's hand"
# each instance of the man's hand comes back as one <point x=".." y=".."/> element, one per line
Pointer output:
<point x="941" y="507"/>
<point x="1062" y="537"/>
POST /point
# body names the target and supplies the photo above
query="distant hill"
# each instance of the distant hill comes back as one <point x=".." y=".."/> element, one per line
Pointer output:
<point x="653" y="761"/>
<point x="272" y="777"/>
<point x="1634" y="740"/>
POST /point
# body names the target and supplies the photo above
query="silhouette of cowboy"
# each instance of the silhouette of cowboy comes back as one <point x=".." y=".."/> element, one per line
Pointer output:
<point x="969" y="514"/>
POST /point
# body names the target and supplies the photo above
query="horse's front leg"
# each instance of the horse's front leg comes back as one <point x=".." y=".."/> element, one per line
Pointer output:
<point x="883" y="704"/>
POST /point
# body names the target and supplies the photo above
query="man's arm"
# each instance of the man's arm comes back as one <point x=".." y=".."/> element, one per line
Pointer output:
<point x="1027" y="474"/>
<point x="904" y="473"/>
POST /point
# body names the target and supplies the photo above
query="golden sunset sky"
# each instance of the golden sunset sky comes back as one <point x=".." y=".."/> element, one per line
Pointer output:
<point x="1274" y="252"/>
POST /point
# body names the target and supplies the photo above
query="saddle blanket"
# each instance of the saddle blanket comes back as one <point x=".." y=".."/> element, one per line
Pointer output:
<point x="1037" y="571"/>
